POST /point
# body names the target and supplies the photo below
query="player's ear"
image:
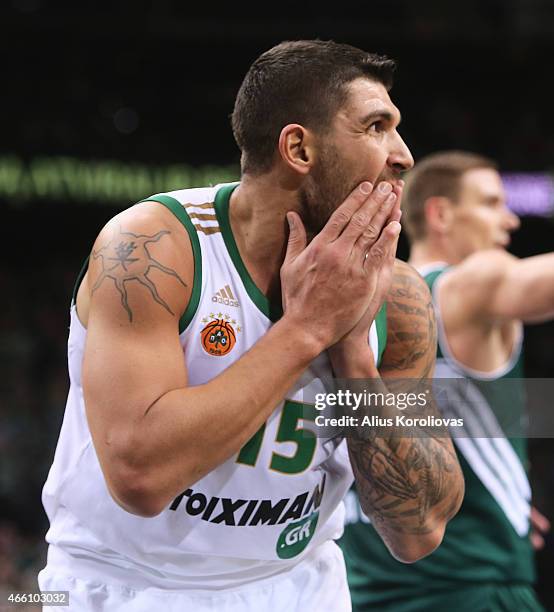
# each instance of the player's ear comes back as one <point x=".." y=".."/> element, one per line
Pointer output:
<point x="296" y="148"/>
<point x="438" y="213"/>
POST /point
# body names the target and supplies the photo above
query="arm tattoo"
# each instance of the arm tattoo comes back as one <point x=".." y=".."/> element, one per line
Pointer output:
<point x="406" y="484"/>
<point x="125" y="258"/>
<point x="401" y="481"/>
<point x="411" y="328"/>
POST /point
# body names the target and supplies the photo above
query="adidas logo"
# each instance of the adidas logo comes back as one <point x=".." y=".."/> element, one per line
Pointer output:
<point x="225" y="296"/>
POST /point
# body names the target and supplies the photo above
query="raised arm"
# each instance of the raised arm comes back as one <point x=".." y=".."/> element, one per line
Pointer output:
<point x="153" y="433"/>
<point x="409" y="486"/>
<point x="497" y="286"/>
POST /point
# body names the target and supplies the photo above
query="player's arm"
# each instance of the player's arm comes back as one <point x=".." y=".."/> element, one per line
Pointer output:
<point x="409" y="486"/>
<point x="496" y="286"/>
<point x="154" y="434"/>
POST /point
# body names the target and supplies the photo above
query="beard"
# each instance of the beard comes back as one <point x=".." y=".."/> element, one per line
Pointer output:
<point x="324" y="190"/>
<point x="328" y="185"/>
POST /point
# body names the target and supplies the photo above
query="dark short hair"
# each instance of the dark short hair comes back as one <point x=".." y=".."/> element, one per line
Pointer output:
<point x="438" y="174"/>
<point x="301" y="82"/>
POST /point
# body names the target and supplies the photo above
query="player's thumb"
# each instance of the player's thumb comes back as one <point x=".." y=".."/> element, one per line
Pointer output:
<point x="297" y="237"/>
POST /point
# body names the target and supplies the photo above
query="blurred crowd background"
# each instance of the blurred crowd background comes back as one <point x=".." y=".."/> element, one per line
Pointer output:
<point x="98" y="99"/>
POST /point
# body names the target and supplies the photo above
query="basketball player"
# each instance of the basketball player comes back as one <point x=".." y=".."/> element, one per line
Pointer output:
<point x="188" y="474"/>
<point x="456" y="217"/>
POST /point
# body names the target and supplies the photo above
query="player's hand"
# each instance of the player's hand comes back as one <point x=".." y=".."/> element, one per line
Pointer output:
<point x="540" y="526"/>
<point x="328" y="286"/>
<point x="357" y="338"/>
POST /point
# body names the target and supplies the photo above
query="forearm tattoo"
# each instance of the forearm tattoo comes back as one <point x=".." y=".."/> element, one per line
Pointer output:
<point x="126" y="258"/>
<point x="406" y="484"/>
<point x="411" y="327"/>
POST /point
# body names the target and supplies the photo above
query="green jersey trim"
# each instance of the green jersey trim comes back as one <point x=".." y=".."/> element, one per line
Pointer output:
<point x="79" y="281"/>
<point x="381" y="324"/>
<point x="430" y="278"/>
<point x="177" y="209"/>
<point x="271" y="310"/>
<point x="443" y="348"/>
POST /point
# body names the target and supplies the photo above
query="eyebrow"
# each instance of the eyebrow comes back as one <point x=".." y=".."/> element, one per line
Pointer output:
<point x="492" y="198"/>
<point x="380" y="114"/>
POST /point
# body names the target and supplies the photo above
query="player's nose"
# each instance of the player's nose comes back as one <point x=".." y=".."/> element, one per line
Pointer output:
<point x="400" y="157"/>
<point x="510" y="220"/>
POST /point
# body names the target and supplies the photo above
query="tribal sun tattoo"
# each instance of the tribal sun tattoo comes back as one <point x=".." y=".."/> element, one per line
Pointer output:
<point x="126" y="258"/>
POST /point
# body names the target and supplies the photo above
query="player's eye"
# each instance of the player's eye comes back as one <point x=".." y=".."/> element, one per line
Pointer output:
<point x="376" y="127"/>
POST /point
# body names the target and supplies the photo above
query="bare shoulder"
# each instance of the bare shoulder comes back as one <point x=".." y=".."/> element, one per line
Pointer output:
<point x="411" y="327"/>
<point x="465" y="290"/>
<point x="141" y="255"/>
<point x="480" y="268"/>
<point x="147" y="220"/>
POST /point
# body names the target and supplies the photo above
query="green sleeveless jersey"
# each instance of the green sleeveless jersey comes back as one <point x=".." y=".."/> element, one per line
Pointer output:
<point x="487" y="542"/>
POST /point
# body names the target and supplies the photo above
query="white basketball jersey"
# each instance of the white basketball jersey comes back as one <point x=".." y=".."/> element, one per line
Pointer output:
<point x="258" y="513"/>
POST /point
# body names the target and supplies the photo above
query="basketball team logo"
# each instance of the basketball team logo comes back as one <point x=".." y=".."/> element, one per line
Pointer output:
<point x="219" y="335"/>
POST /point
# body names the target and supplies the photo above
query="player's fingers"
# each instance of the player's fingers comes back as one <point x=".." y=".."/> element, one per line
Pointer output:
<point x="537" y="540"/>
<point x="396" y="216"/>
<point x="382" y="250"/>
<point x="368" y="217"/>
<point x="396" y="212"/>
<point x="399" y="187"/>
<point x="393" y="247"/>
<point x="297" y="237"/>
<point x="371" y="233"/>
<point x="390" y="256"/>
<point x="539" y="521"/>
<point x="342" y="216"/>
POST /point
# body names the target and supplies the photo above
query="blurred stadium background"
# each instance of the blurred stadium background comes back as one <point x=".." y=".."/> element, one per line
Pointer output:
<point x="103" y="105"/>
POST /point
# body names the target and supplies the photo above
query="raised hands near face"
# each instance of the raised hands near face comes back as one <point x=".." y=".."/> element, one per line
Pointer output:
<point x="383" y="264"/>
<point x="329" y="285"/>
